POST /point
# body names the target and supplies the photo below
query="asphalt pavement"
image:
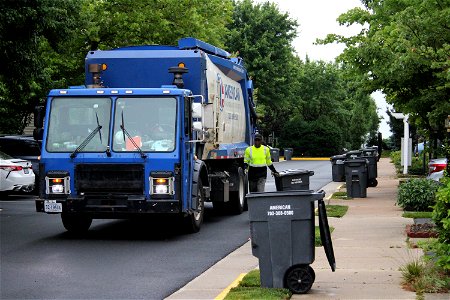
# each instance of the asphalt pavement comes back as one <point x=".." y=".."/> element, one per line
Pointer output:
<point x="117" y="259"/>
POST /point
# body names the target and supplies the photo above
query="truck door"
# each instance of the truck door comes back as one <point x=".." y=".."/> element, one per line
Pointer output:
<point x="188" y="149"/>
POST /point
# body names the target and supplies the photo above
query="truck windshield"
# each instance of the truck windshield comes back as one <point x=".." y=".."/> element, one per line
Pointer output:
<point x="73" y="119"/>
<point x="150" y="123"/>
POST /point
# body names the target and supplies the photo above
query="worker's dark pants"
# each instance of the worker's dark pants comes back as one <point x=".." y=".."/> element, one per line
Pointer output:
<point x="257" y="186"/>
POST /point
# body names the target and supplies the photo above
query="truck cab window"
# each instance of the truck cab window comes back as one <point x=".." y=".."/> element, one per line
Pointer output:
<point x="73" y="119"/>
<point x="150" y="121"/>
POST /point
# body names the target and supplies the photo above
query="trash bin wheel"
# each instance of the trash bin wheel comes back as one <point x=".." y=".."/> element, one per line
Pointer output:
<point x="299" y="279"/>
<point x="373" y="182"/>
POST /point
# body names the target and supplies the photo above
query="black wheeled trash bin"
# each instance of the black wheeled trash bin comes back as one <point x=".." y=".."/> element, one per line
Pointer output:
<point x="356" y="177"/>
<point x="282" y="237"/>
<point x="371" y="155"/>
<point x="275" y="154"/>
<point x="337" y="168"/>
<point x="288" y="152"/>
<point x="293" y="179"/>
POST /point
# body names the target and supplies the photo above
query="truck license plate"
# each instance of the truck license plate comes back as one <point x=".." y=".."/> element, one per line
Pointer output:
<point x="52" y="206"/>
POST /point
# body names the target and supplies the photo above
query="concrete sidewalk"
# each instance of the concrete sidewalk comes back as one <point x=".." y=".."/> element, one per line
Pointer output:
<point x="369" y="245"/>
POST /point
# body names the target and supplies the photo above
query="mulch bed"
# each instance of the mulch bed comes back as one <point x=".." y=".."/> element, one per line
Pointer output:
<point x="421" y="231"/>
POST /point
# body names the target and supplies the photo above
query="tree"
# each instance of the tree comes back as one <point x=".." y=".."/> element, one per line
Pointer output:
<point x="26" y="27"/>
<point x="262" y="35"/>
<point x="121" y="23"/>
<point x="404" y="51"/>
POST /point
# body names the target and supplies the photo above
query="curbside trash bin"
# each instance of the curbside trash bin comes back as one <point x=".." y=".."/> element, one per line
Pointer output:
<point x="293" y="179"/>
<point x="288" y="152"/>
<point x="371" y="155"/>
<point x="282" y="237"/>
<point x="275" y="154"/>
<point x="353" y="154"/>
<point x="337" y="168"/>
<point x="356" y="177"/>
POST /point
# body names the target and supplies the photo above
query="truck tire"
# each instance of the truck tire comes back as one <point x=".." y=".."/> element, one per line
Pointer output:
<point x="237" y="198"/>
<point x="194" y="220"/>
<point x="76" y="224"/>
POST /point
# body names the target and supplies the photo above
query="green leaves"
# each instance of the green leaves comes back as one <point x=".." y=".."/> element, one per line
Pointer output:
<point x="404" y="51"/>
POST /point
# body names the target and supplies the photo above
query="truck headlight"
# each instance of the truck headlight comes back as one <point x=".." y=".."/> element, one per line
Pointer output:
<point x="57" y="185"/>
<point x="161" y="186"/>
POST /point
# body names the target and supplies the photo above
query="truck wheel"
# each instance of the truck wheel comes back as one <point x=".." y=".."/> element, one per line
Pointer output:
<point x="237" y="198"/>
<point x="195" y="219"/>
<point x="76" y="224"/>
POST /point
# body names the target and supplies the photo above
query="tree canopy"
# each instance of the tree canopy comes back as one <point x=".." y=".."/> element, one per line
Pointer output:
<point x="403" y="50"/>
<point x="307" y="105"/>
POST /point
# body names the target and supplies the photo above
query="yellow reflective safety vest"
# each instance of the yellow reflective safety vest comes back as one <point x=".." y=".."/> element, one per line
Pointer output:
<point x="257" y="157"/>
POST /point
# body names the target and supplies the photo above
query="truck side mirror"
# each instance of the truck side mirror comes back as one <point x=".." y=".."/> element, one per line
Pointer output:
<point x="39" y="116"/>
<point x="197" y="110"/>
<point x="38" y="134"/>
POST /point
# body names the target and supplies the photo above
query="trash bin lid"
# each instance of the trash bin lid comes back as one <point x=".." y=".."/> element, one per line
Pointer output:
<point x="369" y="152"/>
<point x="337" y="157"/>
<point x="291" y="172"/>
<point x="353" y="154"/>
<point x="315" y="195"/>
<point x="356" y="161"/>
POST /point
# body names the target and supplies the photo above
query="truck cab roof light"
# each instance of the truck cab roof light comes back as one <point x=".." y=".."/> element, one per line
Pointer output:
<point x="63" y="92"/>
<point x="114" y="92"/>
<point x="166" y="92"/>
<point x="128" y="92"/>
<point x="100" y="92"/>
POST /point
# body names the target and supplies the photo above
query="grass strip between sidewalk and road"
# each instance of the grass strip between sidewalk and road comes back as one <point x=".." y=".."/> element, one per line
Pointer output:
<point x="340" y="196"/>
<point x="250" y="288"/>
<point x="335" y="211"/>
<point x="417" y="214"/>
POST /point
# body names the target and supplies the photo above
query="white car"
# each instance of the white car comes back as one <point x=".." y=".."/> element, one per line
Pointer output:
<point x="15" y="174"/>
<point x="436" y="168"/>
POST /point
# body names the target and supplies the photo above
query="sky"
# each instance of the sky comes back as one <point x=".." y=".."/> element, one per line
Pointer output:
<point x="317" y="18"/>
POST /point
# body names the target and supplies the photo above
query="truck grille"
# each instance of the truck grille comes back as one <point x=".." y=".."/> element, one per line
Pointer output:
<point x="109" y="178"/>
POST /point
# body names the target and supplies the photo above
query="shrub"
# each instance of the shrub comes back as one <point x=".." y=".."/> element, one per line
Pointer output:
<point x="441" y="217"/>
<point x="417" y="194"/>
<point x="416" y="167"/>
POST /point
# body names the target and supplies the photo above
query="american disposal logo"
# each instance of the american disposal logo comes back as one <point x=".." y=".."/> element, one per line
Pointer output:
<point x="220" y="91"/>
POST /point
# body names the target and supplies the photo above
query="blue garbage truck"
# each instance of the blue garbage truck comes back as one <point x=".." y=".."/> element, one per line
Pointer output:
<point x="155" y="130"/>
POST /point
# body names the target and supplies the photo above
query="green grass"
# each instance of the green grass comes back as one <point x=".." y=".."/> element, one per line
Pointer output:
<point x="336" y="211"/>
<point x="341" y="196"/>
<point x="417" y="214"/>
<point x="250" y="288"/>
<point x="251" y="279"/>
<point x="317" y="241"/>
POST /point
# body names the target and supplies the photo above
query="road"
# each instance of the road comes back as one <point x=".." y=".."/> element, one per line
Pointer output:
<point x="118" y="259"/>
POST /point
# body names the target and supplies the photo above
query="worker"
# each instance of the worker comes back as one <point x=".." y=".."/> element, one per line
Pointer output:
<point x="256" y="160"/>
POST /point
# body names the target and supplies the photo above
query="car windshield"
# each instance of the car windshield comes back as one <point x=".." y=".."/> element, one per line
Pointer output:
<point x="4" y="156"/>
<point x="150" y="122"/>
<point x="73" y="119"/>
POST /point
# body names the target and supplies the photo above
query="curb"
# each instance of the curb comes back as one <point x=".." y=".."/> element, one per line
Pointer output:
<point x="235" y="283"/>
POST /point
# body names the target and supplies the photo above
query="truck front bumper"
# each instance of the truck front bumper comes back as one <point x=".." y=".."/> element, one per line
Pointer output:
<point x="114" y="207"/>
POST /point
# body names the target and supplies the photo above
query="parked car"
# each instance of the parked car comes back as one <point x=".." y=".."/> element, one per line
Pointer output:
<point x="15" y="174"/>
<point x="436" y="168"/>
<point x="23" y="147"/>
